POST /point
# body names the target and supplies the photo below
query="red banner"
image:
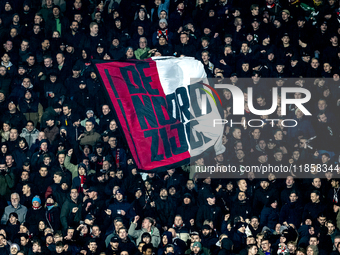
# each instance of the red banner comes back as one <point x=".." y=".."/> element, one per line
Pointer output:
<point x="156" y="140"/>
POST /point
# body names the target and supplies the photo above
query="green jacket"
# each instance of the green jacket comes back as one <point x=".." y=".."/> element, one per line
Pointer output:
<point x="142" y="53"/>
<point x="74" y="168"/>
<point x="66" y="215"/>
<point x="6" y="183"/>
<point x="90" y="138"/>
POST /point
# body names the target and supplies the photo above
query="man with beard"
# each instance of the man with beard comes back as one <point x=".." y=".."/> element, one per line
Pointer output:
<point x="207" y="237"/>
<point x="254" y="227"/>
<point x="74" y="35"/>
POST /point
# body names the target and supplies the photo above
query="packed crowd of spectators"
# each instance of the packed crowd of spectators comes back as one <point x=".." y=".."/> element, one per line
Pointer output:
<point x="68" y="184"/>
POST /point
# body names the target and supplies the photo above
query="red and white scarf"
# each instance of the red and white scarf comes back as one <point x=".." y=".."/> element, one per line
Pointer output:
<point x="162" y="32"/>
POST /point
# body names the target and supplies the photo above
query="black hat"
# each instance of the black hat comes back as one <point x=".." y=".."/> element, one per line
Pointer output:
<point x="227" y="244"/>
<point x="323" y="22"/>
<point x="92" y="120"/>
<point x="271" y="141"/>
<point x="187" y="195"/>
<point x="271" y="200"/>
<point x="93" y="188"/>
<point x="114" y="239"/>
<point x="263" y="180"/>
<point x="210" y="195"/>
<point x="305" y="53"/>
<point x="280" y="62"/>
<point x="240" y="224"/>
<point x="89" y="217"/>
<point x="285" y="34"/>
<point x="294" y="57"/>
<point x="146" y="234"/>
<point x="162" y="36"/>
<point x="13" y="100"/>
<point x="105" y="133"/>
<point x="76" y="67"/>
<point x="56" y="105"/>
<point x="22" y="65"/>
<point x="27" y="163"/>
<point x="75" y="118"/>
<point x="206" y="226"/>
<point x="258" y="154"/>
<point x="99" y="145"/>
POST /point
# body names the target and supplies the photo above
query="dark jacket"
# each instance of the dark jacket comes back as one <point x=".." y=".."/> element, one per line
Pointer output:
<point x="209" y="212"/>
<point x="165" y="212"/>
<point x="292" y="213"/>
<point x="269" y="217"/>
<point x="5" y="82"/>
<point x="67" y="218"/>
<point x="16" y="119"/>
<point x="313" y="209"/>
<point x="34" y="216"/>
<point x="52" y="217"/>
<point x="240" y="208"/>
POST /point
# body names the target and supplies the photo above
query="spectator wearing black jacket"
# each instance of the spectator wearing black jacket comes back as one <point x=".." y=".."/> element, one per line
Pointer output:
<point x="185" y="48"/>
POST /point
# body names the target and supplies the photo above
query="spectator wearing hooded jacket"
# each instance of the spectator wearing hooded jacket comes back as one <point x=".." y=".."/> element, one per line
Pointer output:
<point x="270" y="214"/>
<point x="14" y="116"/>
<point x="30" y="133"/>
